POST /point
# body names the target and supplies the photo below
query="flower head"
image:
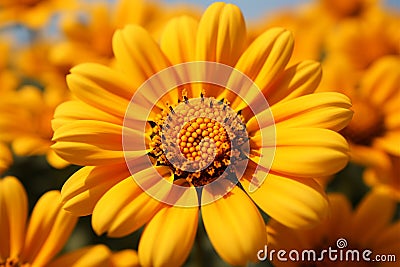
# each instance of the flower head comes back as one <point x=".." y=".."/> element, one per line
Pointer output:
<point x="26" y="121"/>
<point x="203" y="115"/>
<point x="91" y="35"/>
<point x="368" y="226"/>
<point x="373" y="132"/>
<point x="33" y="13"/>
<point x="36" y="242"/>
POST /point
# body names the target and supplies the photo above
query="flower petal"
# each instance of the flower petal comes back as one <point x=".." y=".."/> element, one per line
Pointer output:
<point x="30" y="145"/>
<point x="140" y="57"/>
<point x="125" y="258"/>
<point x="267" y="56"/>
<point x="49" y="229"/>
<point x="131" y="208"/>
<point x="294" y="202"/>
<point x="389" y="143"/>
<point x="85" y="142"/>
<point x="78" y="110"/>
<point x="377" y="205"/>
<point x="321" y="110"/>
<point x="169" y="236"/>
<point x="177" y="39"/>
<point x="101" y="87"/>
<point x="221" y="34"/>
<point x="93" y="256"/>
<point x="381" y="82"/>
<point x="14" y="213"/>
<point x="55" y="161"/>
<point x="300" y="79"/>
<point x="304" y="152"/>
<point x="235" y="227"/>
<point x="84" y="188"/>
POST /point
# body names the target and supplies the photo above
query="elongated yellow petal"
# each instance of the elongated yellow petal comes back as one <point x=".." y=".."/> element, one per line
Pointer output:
<point x="235" y="227"/>
<point x="221" y="34"/>
<point x="40" y="223"/>
<point x="177" y="40"/>
<point x="325" y="110"/>
<point x="340" y="213"/>
<point x="84" y="188"/>
<point x="303" y="152"/>
<point x="86" y="142"/>
<point x="14" y="213"/>
<point x="30" y="145"/>
<point x="49" y="229"/>
<point x="296" y="203"/>
<point x="369" y="156"/>
<point x="169" y="236"/>
<point x="381" y="82"/>
<point x="78" y="110"/>
<point x="378" y="205"/>
<point x="267" y="56"/>
<point x="310" y="161"/>
<point x="300" y="79"/>
<point x="93" y="256"/>
<point x="131" y="208"/>
<point x="55" y="161"/>
<point x="100" y="87"/>
<point x="389" y="142"/>
<point x="125" y="258"/>
<point x="140" y="57"/>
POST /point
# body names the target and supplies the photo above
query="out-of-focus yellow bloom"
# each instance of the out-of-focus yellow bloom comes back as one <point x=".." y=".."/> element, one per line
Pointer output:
<point x="25" y="121"/>
<point x="32" y="64"/>
<point x="36" y="242"/>
<point x="360" y="30"/>
<point x="32" y="13"/>
<point x="369" y="226"/>
<point x="89" y="39"/>
<point x="360" y="42"/>
<point x="374" y="132"/>
<point x="389" y="177"/>
<point x="8" y="79"/>
<point x="88" y="132"/>
<point x="342" y="9"/>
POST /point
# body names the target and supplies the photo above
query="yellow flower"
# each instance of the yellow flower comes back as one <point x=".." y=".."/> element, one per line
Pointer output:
<point x="360" y="42"/>
<point x="8" y="79"/>
<point x="89" y="132"/>
<point x="374" y="132"/>
<point x="359" y="30"/>
<point x="91" y="37"/>
<point x="368" y="226"/>
<point x="36" y="242"/>
<point x="389" y="177"/>
<point x="33" y="13"/>
<point x="26" y="121"/>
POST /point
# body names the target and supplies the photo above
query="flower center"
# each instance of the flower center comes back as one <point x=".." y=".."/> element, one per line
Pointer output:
<point x="367" y="123"/>
<point x="199" y="139"/>
<point x="206" y="130"/>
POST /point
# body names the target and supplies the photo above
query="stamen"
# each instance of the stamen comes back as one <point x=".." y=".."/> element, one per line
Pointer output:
<point x="196" y="132"/>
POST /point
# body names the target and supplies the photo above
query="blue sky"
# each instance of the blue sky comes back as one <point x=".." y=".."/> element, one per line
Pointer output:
<point x="252" y="9"/>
